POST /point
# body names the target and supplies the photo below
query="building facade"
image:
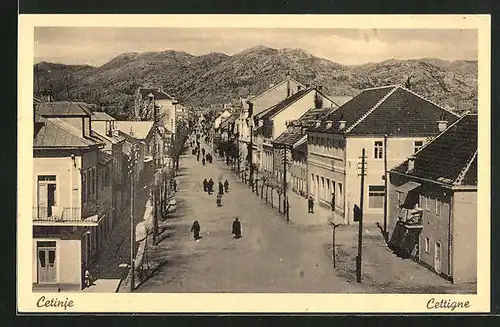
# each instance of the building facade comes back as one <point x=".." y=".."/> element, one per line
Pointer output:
<point x="390" y="123"/>
<point x="432" y="211"/>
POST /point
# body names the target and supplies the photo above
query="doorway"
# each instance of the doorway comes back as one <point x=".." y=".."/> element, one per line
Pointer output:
<point x="46" y="195"/>
<point x="46" y="262"/>
<point x="437" y="257"/>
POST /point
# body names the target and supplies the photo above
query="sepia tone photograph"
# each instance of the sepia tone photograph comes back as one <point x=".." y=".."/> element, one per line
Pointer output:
<point x="266" y="160"/>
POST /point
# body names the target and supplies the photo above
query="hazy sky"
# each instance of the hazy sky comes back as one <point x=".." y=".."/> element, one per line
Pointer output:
<point x="97" y="45"/>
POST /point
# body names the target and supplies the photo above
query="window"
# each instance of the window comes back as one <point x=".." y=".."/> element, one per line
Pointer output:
<point x="378" y="150"/>
<point x="426" y="245"/>
<point x="417" y="145"/>
<point x="427" y="205"/>
<point x="376" y="196"/>
<point x="438" y="207"/>
<point x="339" y="199"/>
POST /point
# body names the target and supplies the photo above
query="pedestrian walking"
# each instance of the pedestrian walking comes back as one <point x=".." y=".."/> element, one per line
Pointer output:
<point x="195" y="229"/>
<point x="198" y="156"/>
<point x="236" y="228"/>
<point x="226" y="185"/>
<point x="203" y="161"/>
<point x="205" y="185"/>
<point x="203" y="151"/>
<point x="210" y="186"/>
<point x="219" y="200"/>
<point x="221" y="188"/>
<point x="310" y="205"/>
<point x="174" y="185"/>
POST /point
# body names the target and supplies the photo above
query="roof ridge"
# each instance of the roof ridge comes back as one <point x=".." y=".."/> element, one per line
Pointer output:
<point x="371" y="110"/>
<point x="437" y="105"/>
<point x="438" y="136"/>
<point x="465" y="169"/>
<point x="381" y="87"/>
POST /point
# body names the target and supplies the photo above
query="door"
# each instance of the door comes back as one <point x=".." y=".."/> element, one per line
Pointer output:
<point x="437" y="257"/>
<point x="46" y="262"/>
<point x="51" y="198"/>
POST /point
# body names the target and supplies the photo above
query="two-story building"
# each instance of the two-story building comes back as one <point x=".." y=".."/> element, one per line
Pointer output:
<point x="68" y="211"/>
<point x="147" y="98"/>
<point x="294" y="141"/>
<point x="390" y="123"/>
<point x="272" y="122"/>
<point x="433" y="203"/>
<point x="254" y="105"/>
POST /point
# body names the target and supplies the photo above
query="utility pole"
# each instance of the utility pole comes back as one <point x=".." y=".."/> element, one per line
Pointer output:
<point x="154" y="190"/>
<point x="385" y="187"/>
<point x="360" y="231"/>
<point x="285" y="200"/>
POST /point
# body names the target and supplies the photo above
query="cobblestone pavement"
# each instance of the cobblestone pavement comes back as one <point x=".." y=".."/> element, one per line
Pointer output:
<point x="272" y="256"/>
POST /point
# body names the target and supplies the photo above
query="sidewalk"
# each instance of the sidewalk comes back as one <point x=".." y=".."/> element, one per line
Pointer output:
<point x="104" y="286"/>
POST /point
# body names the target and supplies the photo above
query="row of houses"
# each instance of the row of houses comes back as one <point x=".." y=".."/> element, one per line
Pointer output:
<point x="84" y="164"/>
<point x="319" y="138"/>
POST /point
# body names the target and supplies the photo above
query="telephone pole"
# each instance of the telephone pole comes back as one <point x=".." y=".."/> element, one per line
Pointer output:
<point x="285" y="200"/>
<point x="132" y="227"/>
<point x="385" y="187"/>
<point x="360" y="231"/>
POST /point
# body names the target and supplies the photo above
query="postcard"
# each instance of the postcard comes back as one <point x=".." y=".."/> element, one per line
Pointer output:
<point x="254" y="163"/>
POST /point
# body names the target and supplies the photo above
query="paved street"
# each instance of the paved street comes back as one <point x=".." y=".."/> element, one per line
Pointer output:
<point x="272" y="256"/>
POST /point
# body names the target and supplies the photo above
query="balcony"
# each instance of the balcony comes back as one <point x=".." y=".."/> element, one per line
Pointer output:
<point x="412" y="218"/>
<point x="58" y="215"/>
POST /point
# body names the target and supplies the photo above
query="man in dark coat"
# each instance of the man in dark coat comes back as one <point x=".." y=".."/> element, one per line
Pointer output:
<point x="219" y="200"/>
<point x="236" y="228"/>
<point x="205" y="185"/>
<point x="203" y="151"/>
<point x="221" y="188"/>
<point x="195" y="229"/>
<point x="210" y="186"/>
<point x="203" y="161"/>
<point x="310" y="205"/>
<point x="198" y="156"/>
<point x="226" y="185"/>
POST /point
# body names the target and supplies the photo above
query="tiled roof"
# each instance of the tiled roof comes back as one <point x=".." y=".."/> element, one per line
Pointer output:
<point x="57" y="133"/>
<point x="108" y="138"/>
<point x="314" y="114"/>
<point x="136" y="129"/>
<point x="451" y="158"/>
<point x="285" y="103"/>
<point x="64" y="108"/>
<point x="391" y="110"/>
<point x="100" y="115"/>
<point x="156" y="91"/>
<point x="290" y="136"/>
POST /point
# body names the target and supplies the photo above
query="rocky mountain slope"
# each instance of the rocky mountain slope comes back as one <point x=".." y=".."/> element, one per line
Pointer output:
<point x="216" y="78"/>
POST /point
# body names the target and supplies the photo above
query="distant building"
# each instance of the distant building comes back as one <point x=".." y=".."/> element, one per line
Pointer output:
<point x="272" y="122"/>
<point x="148" y="97"/>
<point x="335" y="144"/>
<point x="432" y="207"/>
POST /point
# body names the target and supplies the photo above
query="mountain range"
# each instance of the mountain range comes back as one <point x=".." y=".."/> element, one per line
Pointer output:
<point x="216" y="78"/>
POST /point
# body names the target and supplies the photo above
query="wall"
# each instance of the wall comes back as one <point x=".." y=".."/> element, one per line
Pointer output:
<point x="68" y="180"/>
<point x="464" y="250"/>
<point x="273" y="96"/>
<point x="68" y="260"/>
<point x="398" y="150"/>
<point x="435" y="227"/>
<point x="167" y="108"/>
<point x="295" y="111"/>
<point x="325" y="158"/>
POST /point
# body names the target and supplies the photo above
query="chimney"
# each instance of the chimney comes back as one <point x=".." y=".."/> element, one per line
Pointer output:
<point x="250" y="109"/>
<point x="442" y="124"/>
<point x="115" y="132"/>
<point x="341" y="124"/>
<point x="318" y="123"/>
<point x="109" y="129"/>
<point x="329" y="124"/>
<point x="299" y="87"/>
<point x="271" y="85"/>
<point x="308" y="86"/>
<point x="411" y="164"/>
<point x="320" y="88"/>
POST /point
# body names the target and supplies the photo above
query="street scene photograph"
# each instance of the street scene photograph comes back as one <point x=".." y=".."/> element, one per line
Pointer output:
<point x="254" y="160"/>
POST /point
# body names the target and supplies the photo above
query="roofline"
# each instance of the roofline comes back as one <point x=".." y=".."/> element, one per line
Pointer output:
<point x="465" y="169"/>
<point x="421" y="97"/>
<point x="350" y="128"/>
<point x="448" y="186"/>
<point x="288" y="105"/>
<point x="90" y="147"/>
<point x="381" y="87"/>
<point x="273" y="87"/>
<point x="438" y="136"/>
<point x="63" y="116"/>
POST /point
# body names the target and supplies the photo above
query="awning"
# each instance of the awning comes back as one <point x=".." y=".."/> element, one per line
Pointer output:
<point x="404" y="189"/>
<point x="407" y="187"/>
